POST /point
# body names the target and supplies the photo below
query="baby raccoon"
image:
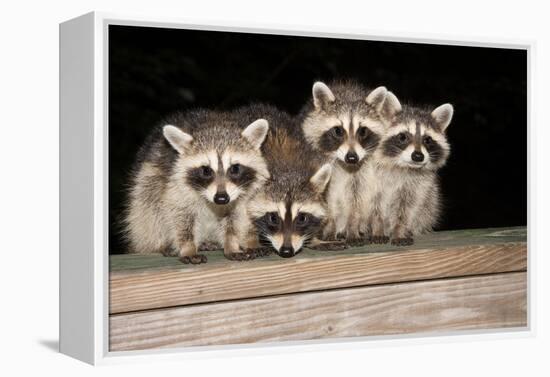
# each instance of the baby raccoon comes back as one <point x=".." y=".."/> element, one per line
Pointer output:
<point x="402" y="184"/>
<point x="345" y="122"/>
<point x="290" y="209"/>
<point x="191" y="183"/>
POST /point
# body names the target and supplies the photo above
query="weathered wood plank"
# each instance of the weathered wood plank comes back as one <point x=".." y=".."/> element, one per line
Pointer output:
<point x="139" y="289"/>
<point x="492" y="301"/>
<point x="436" y="240"/>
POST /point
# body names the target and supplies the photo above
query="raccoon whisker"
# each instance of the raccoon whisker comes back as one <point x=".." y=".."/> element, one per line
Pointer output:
<point x="263" y="231"/>
<point x="306" y="240"/>
<point x="311" y="232"/>
<point x="264" y="241"/>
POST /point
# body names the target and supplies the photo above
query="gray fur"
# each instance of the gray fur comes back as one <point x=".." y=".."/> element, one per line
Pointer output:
<point x="166" y="212"/>
<point x="403" y="195"/>
<point x="351" y="106"/>
<point x="292" y="164"/>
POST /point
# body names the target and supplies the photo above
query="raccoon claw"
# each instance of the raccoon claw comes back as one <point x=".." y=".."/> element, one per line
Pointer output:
<point x="209" y="246"/>
<point x="402" y="241"/>
<point x="194" y="259"/>
<point x="361" y="241"/>
<point x="338" y="245"/>
<point x="380" y="239"/>
<point x="169" y="253"/>
<point x="243" y="256"/>
<point x="333" y="237"/>
<point x="329" y="246"/>
<point x="260" y="252"/>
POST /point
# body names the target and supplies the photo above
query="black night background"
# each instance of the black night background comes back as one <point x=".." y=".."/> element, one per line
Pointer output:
<point x="154" y="71"/>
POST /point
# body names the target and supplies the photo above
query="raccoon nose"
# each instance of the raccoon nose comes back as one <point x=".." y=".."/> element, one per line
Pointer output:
<point x="417" y="156"/>
<point x="286" y="252"/>
<point x="221" y="198"/>
<point x="352" y="158"/>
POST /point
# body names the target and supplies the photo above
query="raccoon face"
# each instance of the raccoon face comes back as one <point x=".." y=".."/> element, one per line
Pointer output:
<point x="288" y="221"/>
<point x="220" y="175"/>
<point x="349" y="128"/>
<point x="416" y="139"/>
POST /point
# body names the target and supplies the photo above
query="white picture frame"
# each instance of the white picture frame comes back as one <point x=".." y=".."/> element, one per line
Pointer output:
<point x="84" y="300"/>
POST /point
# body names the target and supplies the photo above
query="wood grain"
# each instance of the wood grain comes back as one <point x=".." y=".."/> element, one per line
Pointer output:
<point x="124" y="263"/>
<point x="141" y="288"/>
<point x="492" y="301"/>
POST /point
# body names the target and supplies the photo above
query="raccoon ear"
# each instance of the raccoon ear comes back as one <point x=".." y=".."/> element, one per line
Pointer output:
<point x="376" y="97"/>
<point x="256" y="132"/>
<point x="391" y="106"/>
<point x="178" y="139"/>
<point x="321" y="178"/>
<point x="322" y="95"/>
<point x="443" y="115"/>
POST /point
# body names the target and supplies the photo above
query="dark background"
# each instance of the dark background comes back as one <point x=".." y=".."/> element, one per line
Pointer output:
<point x="154" y="71"/>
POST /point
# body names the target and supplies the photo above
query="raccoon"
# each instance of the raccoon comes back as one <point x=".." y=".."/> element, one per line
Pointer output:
<point x="290" y="209"/>
<point x="402" y="185"/>
<point x="191" y="182"/>
<point x="345" y="123"/>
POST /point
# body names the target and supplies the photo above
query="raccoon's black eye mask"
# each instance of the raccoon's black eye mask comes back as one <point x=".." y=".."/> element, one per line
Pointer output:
<point x="332" y="138"/>
<point x="241" y="175"/>
<point x="403" y="138"/>
<point x="367" y="138"/>
<point x="363" y="132"/>
<point x="338" y="132"/>
<point x="397" y="144"/>
<point x="206" y="172"/>
<point x="201" y="176"/>
<point x="434" y="149"/>
<point x="270" y="221"/>
<point x="303" y="223"/>
<point x="234" y="170"/>
<point x="302" y="219"/>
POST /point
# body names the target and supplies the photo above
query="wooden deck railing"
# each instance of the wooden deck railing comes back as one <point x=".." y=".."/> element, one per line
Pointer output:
<point x="456" y="280"/>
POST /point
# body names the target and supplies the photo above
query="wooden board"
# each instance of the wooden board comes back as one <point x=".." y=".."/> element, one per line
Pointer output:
<point x="139" y="282"/>
<point x="492" y="301"/>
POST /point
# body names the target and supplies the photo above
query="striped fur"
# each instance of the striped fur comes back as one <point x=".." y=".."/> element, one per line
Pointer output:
<point x="191" y="183"/>
<point x="403" y="195"/>
<point x="291" y="207"/>
<point x="344" y="122"/>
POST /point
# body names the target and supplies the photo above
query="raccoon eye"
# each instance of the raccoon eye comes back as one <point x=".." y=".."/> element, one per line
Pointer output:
<point x="235" y="170"/>
<point x="362" y="132"/>
<point x="302" y="219"/>
<point x="273" y="218"/>
<point x="402" y="137"/>
<point x="206" y="172"/>
<point x="428" y="140"/>
<point x="338" y="131"/>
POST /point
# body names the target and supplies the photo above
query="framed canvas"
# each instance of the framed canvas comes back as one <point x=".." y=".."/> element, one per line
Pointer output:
<point x="226" y="187"/>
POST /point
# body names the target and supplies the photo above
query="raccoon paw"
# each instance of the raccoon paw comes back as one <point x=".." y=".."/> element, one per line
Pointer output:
<point x="329" y="246"/>
<point x="338" y="245"/>
<point x="194" y="259"/>
<point x="380" y="239"/>
<point x="243" y="256"/>
<point x="333" y="237"/>
<point x="169" y="252"/>
<point x="260" y="251"/>
<point x="209" y="246"/>
<point x="359" y="241"/>
<point x="405" y="241"/>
